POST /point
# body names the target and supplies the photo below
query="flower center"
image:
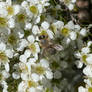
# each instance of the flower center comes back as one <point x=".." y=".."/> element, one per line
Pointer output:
<point x="3" y="22"/>
<point x="3" y="57"/>
<point x="33" y="9"/>
<point x="12" y="39"/>
<point x="84" y="58"/>
<point x="10" y="10"/>
<point x="21" y="17"/>
<point x="90" y="89"/>
<point x="40" y="70"/>
<point x="32" y="48"/>
<point x="65" y="31"/>
<point x="32" y="84"/>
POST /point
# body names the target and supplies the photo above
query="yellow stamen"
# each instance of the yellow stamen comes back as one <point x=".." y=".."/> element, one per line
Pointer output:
<point x="33" y="9"/>
<point x="10" y="10"/>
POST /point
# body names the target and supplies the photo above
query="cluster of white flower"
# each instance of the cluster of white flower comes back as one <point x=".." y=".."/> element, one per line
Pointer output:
<point x="34" y="48"/>
<point x="85" y="56"/>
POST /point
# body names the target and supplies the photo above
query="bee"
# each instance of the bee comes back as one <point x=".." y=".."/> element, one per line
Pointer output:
<point x="48" y="47"/>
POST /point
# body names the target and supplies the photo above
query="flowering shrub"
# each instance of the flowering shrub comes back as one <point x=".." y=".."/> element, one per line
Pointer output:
<point x="42" y="47"/>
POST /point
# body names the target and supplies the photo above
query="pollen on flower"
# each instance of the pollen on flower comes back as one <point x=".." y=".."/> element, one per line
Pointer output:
<point x="10" y="10"/>
<point x="21" y="17"/>
<point x="32" y="84"/>
<point x="90" y="89"/>
<point x="84" y="58"/>
<point x="65" y="31"/>
<point x="39" y="70"/>
<point x="3" y="57"/>
<point x="23" y="67"/>
<point x="33" y="9"/>
<point x="12" y="39"/>
<point x="32" y="48"/>
<point x="3" y="22"/>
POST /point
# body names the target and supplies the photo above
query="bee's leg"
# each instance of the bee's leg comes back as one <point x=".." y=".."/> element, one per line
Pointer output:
<point x="42" y="53"/>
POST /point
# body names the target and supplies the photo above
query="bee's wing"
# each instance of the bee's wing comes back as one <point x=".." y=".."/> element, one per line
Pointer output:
<point x="58" y="47"/>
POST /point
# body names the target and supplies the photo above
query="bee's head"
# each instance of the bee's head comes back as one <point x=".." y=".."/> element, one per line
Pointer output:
<point x="43" y="35"/>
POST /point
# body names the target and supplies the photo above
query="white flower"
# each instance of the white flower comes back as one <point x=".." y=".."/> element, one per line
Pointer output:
<point x="68" y="30"/>
<point x="11" y="9"/>
<point x="5" y="86"/>
<point x="83" y="32"/>
<point x="89" y="59"/>
<point x="5" y="54"/>
<point x="59" y="24"/>
<point x="3" y="12"/>
<point x="73" y="1"/>
<point x="50" y="34"/>
<point x="68" y="40"/>
<point x="73" y="35"/>
<point x="88" y="71"/>
<point x="22" y="87"/>
<point x="11" y="23"/>
<point x="7" y="68"/>
<point x="88" y="82"/>
<point x="71" y="6"/>
<point x="79" y="64"/>
<point x="57" y="75"/>
<point x="23" y="67"/>
<point x="81" y="89"/>
<point x="22" y="44"/>
<point x="85" y="50"/>
<point x="41" y="69"/>
<point x="45" y="25"/>
<point x="89" y="43"/>
<point x="70" y="25"/>
<point x="33" y="46"/>
<point x="9" y="53"/>
<point x="32" y="89"/>
<point x="28" y="26"/>
<point x="23" y="58"/>
<point x="24" y="76"/>
<point x="5" y="74"/>
<point x="44" y="63"/>
<point x="24" y="4"/>
<point x="35" y="77"/>
<point x="77" y="27"/>
<point x="20" y="34"/>
<point x="37" y="20"/>
<point x="28" y="85"/>
<point x="32" y="60"/>
<point x="35" y="30"/>
<point x="27" y="53"/>
<point x="40" y="8"/>
<point x="15" y="75"/>
<point x="31" y="39"/>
